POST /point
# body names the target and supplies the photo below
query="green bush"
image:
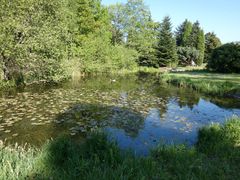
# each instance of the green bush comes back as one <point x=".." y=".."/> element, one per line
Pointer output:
<point x="226" y="58"/>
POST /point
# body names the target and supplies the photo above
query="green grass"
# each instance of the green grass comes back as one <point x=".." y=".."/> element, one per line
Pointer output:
<point x="206" y="82"/>
<point x="215" y="156"/>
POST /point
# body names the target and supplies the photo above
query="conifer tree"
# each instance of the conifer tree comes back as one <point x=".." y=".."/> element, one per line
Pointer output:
<point x="183" y="33"/>
<point x="197" y="40"/>
<point x="200" y="47"/>
<point x="166" y="48"/>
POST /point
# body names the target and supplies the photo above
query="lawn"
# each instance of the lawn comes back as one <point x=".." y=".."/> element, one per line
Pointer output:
<point x="204" y="81"/>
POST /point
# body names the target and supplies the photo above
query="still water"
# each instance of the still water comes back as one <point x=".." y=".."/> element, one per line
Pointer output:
<point x="137" y="111"/>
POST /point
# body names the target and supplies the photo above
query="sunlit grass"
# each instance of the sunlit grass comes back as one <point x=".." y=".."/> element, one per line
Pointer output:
<point x="203" y="81"/>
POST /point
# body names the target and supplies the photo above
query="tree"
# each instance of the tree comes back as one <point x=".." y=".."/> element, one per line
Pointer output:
<point x="32" y="41"/>
<point x="118" y="20"/>
<point x="200" y="47"/>
<point x="211" y="43"/>
<point x="197" y="40"/>
<point x="166" y="48"/>
<point x="183" y="33"/>
<point x="134" y="27"/>
<point x="226" y="58"/>
<point x="87" y="17"/>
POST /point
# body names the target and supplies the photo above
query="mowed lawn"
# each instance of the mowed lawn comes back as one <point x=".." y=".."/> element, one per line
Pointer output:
<point x="203" y="75"/>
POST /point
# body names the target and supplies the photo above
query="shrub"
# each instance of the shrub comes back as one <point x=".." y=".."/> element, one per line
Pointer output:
<point x="226" y="58"/>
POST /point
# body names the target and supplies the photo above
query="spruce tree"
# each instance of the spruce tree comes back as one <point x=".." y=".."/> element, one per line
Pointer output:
<point x="166" y="48"/>
<point x="200" y="47"/>
<point x="183" y="33"/>
<point x="193" y="39"/>
<point x="197" y="40"/>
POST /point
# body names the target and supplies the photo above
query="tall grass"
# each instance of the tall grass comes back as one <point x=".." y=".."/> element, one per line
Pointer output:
<point x="215" y="156"/>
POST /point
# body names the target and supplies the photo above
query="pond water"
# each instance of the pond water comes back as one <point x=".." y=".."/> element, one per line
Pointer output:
<point x="135" y="110"/>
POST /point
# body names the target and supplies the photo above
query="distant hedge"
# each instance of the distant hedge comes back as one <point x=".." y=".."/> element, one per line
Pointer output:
<point x="226" y="58"/>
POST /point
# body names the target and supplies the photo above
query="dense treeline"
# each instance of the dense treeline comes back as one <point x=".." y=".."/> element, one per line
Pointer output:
<point x="48" y="40"/>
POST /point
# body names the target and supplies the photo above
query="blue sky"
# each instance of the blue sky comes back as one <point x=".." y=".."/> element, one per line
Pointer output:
<point x="219" y="16"/>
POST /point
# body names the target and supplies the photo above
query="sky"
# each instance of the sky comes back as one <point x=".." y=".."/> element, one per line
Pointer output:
<point x="219" y="16"/>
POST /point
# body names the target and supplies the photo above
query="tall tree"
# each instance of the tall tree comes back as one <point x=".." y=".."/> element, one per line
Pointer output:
<point x="132" y="24"/>
<point x="87" y="17"/>
<point x="141" y="31"/>
<point x="197" y="40"/>
<point x="211" y="43"/>
<point x="118" y="20"/>
<point x="183" y="33"/>
<point x="200" y="47"/>
<point x="166" y="48"/>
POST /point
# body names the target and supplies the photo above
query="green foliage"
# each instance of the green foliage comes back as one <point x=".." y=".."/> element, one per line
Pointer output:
<point x="50" y="40"/>
<point x="226" y="58"/>
<point x="183" y="33"/>
<point x="200" y="47"/>
<point x="32" y="39"/>
<point x="187" y="55"/>
<point x="197" y="40"/>
<point x="86" y="17"/>
<point x="134" y="27"/>
<point x="117" y="16"/>
<point x="211" y="43"/>
<point x="166" y="48"/>
<point x="42" y="40"/>
<point x="98" y="55"/>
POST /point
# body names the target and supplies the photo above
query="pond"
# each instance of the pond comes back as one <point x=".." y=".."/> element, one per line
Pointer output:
<point x="136" y="110"/>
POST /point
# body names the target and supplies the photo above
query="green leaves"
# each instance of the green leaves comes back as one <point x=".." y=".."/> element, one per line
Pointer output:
<point x="132" y="26"/>
<point x="32" y="39"/>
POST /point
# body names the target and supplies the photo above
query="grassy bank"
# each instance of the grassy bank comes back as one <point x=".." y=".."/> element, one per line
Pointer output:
<point x="216" y="156"/>
<point x="206" y="82"/>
